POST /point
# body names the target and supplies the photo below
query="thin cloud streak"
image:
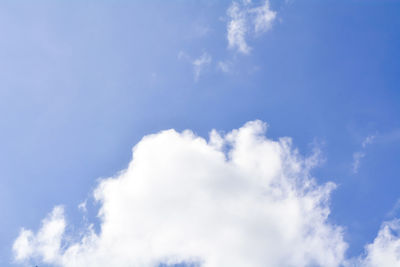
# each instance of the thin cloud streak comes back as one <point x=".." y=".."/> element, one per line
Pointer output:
<point x="357" y="156"/>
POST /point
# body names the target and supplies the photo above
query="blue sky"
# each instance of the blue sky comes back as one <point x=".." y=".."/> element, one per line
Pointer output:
<point x="81" y="82"/>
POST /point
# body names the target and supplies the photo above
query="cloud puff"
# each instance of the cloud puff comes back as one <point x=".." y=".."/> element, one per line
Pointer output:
<point x="238" y="199"/>
<point x="244" y="19"/>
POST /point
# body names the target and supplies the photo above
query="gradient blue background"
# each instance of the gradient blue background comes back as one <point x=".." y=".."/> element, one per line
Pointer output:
<point x="82" y="81"/>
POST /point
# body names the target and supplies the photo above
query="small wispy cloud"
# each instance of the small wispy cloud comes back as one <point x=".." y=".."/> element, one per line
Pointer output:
<point x="368" y="140"/>
<point x="395" y="209"/>
<point x="183" y="56"/>
<point x="200" y="30"/>
<point x="200" y="63"/>
<point x="246" y="19"/>
<point x="83" y="206"/>
<point x="263" y="19"/>
<point x="357" y="156"/>
<point x="224" y="66"/>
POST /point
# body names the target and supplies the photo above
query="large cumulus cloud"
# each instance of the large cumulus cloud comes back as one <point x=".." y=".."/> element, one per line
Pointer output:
<point x="238" y="199"/>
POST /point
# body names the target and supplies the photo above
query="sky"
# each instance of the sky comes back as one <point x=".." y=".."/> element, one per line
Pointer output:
<point x="200" y="133"/>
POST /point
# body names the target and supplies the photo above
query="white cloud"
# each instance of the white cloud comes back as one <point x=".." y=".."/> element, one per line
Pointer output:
<point x="46" y="243"/>
<point x="236" y="200"/>
<point x="385" y="249"/>
<point x="264" y="17"/>
<point x="200" y="63"/>
<point x="244" y="20"/>
<point x="237" y="28"/>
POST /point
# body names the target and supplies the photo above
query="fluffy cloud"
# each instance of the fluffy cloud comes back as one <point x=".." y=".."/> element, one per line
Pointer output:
<point x="238" y="199"/>
<point x="244" y="19"/>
